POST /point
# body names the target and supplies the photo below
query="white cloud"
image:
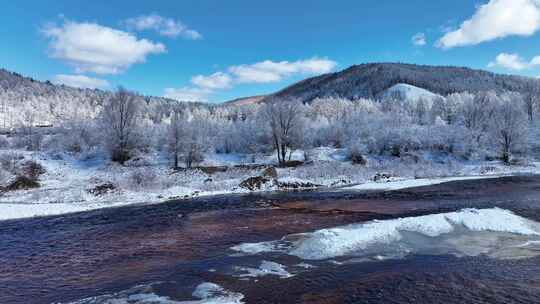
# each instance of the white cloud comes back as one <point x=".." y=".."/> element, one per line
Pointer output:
<point x="90" y="47"/>
<point x="260" y="72"/>
<point x="510" y="61"/>
<point x="419" y="39"/>
<point x="80" y="81"/>
<point x="496" y="19"/>
<point x="270" y="71"/>
<point x="163" y="26"/>
<point x="217" y="80"/>
<point x="535" y="60"/>
<point x="187" y="94"/>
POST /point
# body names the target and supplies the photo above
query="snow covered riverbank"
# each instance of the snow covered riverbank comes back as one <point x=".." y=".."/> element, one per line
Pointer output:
<point x="413" y="183"/>
<point x="73" y="185"/>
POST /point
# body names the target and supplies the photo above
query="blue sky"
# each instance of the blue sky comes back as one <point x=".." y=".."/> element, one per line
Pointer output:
<point x="219" y="50"/>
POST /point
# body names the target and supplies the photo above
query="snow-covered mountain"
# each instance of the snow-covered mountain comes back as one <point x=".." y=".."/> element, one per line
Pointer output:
<point x="374" y="79"/>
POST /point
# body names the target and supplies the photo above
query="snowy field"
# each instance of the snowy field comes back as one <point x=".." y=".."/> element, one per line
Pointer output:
<point x="74" y="185"/>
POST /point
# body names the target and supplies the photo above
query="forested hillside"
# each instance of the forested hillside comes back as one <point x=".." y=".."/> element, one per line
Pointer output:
<point x="371" y="80"/>
<point x="24" y="100"/>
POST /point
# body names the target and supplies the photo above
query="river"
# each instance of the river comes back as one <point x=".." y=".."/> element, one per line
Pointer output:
<point x="194" y="251"/>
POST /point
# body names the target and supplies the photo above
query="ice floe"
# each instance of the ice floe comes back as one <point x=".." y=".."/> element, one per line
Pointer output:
<point x="467" y="232"/>
<point x="266" y="268"/>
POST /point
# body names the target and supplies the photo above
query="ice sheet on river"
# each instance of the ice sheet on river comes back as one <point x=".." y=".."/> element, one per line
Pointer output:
<point x="470" y="232"/>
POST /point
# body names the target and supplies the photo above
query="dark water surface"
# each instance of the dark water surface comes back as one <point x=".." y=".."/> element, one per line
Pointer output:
<point x="173" y="247"/>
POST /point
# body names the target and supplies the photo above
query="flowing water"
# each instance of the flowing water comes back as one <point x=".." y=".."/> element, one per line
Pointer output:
<point x="462" y="242"/>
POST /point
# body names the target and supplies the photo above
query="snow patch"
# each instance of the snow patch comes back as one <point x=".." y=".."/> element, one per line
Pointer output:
<point x="305" y="265"/>
<point x="409" y="92"/>
<point x="266" y="268"/>
<point x="13" y="211"/>
<point x="211" y="293"/>
<point x="414" y="183"/>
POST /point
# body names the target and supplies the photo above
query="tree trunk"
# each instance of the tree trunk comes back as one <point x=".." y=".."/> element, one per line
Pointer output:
<point x="283" y="154"/>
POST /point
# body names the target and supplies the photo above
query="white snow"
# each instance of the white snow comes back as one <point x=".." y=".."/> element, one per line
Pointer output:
<point x="65" y="187"/>
<point x="410" y="93"/>
<point x="14" y="211"/>
<point x="266" y="268"/>
<point x="305" y="265"/>
<point x="66" y="184"/>
<point x="255" y="248"/>
<point x="211" y="293"/>
<point x="372" y="237"/>
<point x="414" y="183"/>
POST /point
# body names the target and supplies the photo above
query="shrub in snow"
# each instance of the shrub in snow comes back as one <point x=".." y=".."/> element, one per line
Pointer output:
<point x="270" y="172"/>
<point x="326" y="172"/>
<point x="21" y="183"/>
<point x="291" y="164"/>
<point x="91" y="153"/>
<point x="257" y="183"/>
<point x="142" y="178"/>
<point x="488" y="169"/>
<point x="140" y="160"/>
<point x="411" y="157"/>
<point x="102" y="189"/>
<point x="296" y="184"/>
<point x="32" y="170"/>
<point x="120" y="155"/>
<point x="80" y="136"/>
<point x="395" y="150"/>
<point x="355" y="155"/>
<point x="517" y="161"/>
<point x="382" y="177"/>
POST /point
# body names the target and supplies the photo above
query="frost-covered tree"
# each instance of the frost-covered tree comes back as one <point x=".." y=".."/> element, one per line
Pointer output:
<point x="175" y="136"/>
<point x="119" y="121"/>
<point x="476" y="113"/>
<point x="446" y="108"/>
<point x="420" y="111"/>
<point x="531" y="101"/>
<point x="78" y="136"/>
<point x="194" y="142"/>
<point x="29" y="135"/>
<point x="284" y="119"/>
<point x="508" y="125"/>
<point x="189" y="135"/>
